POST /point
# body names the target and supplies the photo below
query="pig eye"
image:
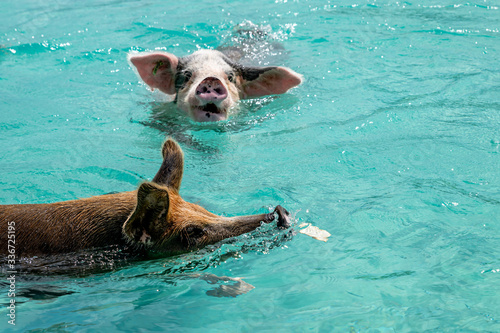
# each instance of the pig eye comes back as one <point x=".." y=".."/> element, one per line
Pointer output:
<point x="194" y="232"/>
<point x="187" y="76"/>
<point x="182" y="78"/>
<point x="230" y="77"/>
<point x="191" y="235"/>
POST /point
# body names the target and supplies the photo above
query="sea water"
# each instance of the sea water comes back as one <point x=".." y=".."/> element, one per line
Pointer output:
<point x="391" y="144"/>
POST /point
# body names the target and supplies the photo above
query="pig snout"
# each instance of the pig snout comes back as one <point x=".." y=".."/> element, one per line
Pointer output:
<point x="283" y="217"/>
<point x="211" y="90"/>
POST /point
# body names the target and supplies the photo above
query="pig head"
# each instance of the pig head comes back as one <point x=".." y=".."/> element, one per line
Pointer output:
<point x="207" y="83"/>
<point x="153" y="218"/>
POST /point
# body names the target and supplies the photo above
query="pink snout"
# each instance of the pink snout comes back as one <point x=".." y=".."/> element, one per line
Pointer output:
<point x="211" y="90"/>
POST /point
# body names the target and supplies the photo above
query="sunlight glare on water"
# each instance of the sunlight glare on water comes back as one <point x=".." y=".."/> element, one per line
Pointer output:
<point x="391" y="145"/>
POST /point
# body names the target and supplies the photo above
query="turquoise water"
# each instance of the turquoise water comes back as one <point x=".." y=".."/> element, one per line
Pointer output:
<point x="391" y="144"/>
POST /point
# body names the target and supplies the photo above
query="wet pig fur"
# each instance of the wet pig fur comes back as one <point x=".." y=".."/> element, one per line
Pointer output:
<point x="152" y="218"/>
<point x="208" y="83"/>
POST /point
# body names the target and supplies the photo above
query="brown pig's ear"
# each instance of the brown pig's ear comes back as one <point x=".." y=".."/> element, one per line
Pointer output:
<point x="268" y="81"/>
<point x="149" y="219"/>
<point x="172" y="168"/>
<point x="156" y="69"/>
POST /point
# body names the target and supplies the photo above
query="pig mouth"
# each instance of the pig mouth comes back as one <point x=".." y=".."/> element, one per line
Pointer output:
<point x="209" y="112"/>
<point x="211" y="107"/>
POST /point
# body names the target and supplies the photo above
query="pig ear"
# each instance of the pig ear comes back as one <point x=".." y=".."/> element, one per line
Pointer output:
<point x="172" y="168"/>
<point x="150" y="215"/>
<point x="156" y="69"/>
<point x="268" y="81"/>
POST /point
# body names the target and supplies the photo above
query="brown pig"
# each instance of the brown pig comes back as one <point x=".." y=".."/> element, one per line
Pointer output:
<point x="208" y="83"/>
<point x="153" y="218"/>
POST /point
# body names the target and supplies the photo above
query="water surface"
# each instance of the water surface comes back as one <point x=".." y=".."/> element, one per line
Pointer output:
<point x="391" y="144"/>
